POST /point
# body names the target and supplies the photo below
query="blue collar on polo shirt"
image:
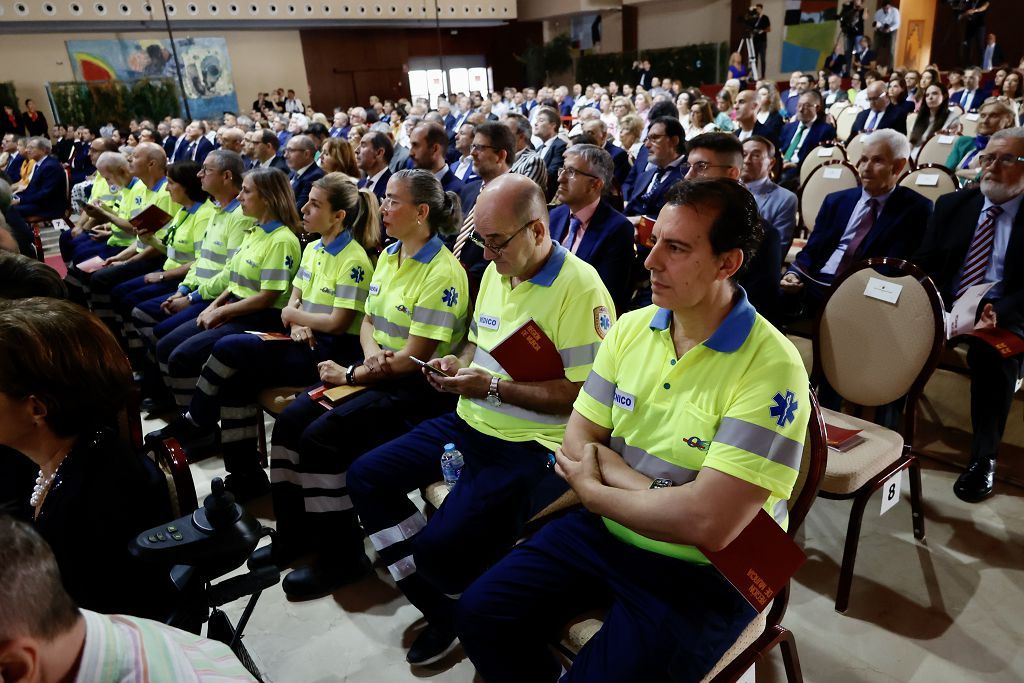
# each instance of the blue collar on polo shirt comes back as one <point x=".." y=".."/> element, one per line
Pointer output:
<point x="730" y="335"/>
<point x="426" y="253"/>
<point x="545" y="277"/>
<point x="271" y="226"/>
<point x="339" y="243"/>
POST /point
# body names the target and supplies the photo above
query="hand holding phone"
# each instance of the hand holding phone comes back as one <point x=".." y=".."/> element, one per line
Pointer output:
<point x="429" y="368"/>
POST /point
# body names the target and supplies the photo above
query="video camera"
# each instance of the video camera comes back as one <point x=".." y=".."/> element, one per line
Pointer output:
<point x="749" y="19"/>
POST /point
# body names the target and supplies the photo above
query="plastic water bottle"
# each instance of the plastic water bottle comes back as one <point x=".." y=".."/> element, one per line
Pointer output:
<point x="451" y="464"/>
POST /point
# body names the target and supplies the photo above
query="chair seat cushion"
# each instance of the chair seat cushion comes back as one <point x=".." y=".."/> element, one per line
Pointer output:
<point x="275" y="400"/>
<point x="847" y="472"/>
<point x="435" y="494"/>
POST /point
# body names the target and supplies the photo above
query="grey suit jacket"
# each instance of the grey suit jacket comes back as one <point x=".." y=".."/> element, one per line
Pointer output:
<point x="778" y="209"/>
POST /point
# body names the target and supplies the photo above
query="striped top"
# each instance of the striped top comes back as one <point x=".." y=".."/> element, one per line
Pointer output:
<point x="123" y="649"/>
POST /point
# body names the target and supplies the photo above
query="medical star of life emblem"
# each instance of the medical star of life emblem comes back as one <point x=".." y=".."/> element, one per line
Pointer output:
<point x="450" y="296"/>
<point x="288" y="261"/>
<point x="784" y="410"/>
<point x="357" y="274"/>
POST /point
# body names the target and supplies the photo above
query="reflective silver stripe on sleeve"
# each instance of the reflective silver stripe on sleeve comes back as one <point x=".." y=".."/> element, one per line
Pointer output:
<point x="472" y="327"/>
<point x="172" y="253"/>
<point x="206" y="272"/>
<point x="219" y="259"/>
<point x="429" y="316"/>
<point x="575" y="356"/>
<point x="310" y="307"/>
<point x="761" y="441"/>
<point x="523" y="413"/>
<point x="389" y="328"/>
<point x="599" y="389"/>
<point x="780" y="511"/>
<point x="244" y="281"/>
<point x="275" y="274"/>
<point x="350" y="292"/>
<point x="650" y="465"/>
<point x="488" y="362"/>
<point x="303" y="274"/>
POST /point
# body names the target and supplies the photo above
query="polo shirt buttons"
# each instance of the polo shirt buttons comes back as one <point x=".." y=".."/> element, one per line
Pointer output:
<point x="667" y="385"/>
<point x="672" y="362"/>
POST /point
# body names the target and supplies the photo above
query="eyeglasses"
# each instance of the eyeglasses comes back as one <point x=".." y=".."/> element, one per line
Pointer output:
<point x="701" y="167"/>
<point x="476" y="148"/>
<point x="571" y="173"/>
<point x="477" y="239"/>
<point x="390" y="201"/>
<point x="1004" y="160"/>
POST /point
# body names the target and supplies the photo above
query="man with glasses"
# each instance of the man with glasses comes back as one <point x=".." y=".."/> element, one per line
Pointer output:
<point x="995" y="115"/>
<point x="799" y="137"/>
<point x="264" y="150"/>
<point x="586" y="223"/>
<point x="881" y="113"/>
<point x="300" y="154"/>
<point x="666" y="155"/>
<point x="975" y="237"/>
<point x="506" y="429"/>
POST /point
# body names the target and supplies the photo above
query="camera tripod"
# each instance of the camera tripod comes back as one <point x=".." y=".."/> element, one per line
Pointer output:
<point x="747" y="43"/>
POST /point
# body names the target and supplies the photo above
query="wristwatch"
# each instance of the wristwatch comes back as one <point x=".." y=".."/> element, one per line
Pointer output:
<point x="350" y="373"/>
<point x="661" y="483"/>
<point x="492" y="393"/>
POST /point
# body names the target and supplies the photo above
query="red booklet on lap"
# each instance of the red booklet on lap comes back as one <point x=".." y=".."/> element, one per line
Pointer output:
<point x="150" y="219"/>
<point x="760" y="561"/>
<point x="529" y="355"/>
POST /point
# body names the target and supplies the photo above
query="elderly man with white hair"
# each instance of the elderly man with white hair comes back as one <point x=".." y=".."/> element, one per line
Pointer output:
<point x="877" y="219"/>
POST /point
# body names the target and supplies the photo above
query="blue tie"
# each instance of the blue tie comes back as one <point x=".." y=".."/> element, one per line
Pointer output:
<point x="570" y="236"/>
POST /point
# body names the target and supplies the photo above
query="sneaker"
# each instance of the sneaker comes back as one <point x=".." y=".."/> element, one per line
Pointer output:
<point x="432" y="644"/>
<point x="324" y="577"/>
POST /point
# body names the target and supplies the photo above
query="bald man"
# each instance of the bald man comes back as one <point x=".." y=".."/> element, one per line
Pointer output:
<point x="881" y="113"/>
<point x="231" y="139"/>
<point x="505" y="426"/>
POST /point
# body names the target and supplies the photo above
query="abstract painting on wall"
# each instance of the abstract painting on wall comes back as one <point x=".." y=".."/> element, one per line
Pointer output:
<point x="809" y="35"/>
<point x="206" y="67"/>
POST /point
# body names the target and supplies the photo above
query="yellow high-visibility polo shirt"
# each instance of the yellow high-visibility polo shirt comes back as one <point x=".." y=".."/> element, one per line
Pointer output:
<point x="335" y="276"/>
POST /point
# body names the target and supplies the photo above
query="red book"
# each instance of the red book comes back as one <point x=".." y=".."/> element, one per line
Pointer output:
<point x="270" y="336"/>
<point x="529" y="355"/>
<point x="760" y="561"/>
<point x="645" y="231"/>
<point x="330" y="396"/>
<point x="1005" y="342"/>
<point x="842" y="440"/>
<point x="150" y="219"/>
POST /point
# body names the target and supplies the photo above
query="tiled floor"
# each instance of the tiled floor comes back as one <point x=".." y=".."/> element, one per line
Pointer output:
<point x="948" y="609"/>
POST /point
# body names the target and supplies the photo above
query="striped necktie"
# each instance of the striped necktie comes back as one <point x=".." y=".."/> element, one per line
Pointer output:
<point x="980" y="252"/>
<point x="467" y="230"/>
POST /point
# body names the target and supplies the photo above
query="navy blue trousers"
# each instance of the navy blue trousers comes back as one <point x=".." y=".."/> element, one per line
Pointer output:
<point x="669" y="620"/>
<point x="312" y="448"/>
<point x="103" y="282"/>
<point x="479" y="521"/>
<point x="242" y="365"/>
<point x="129" y="294"/>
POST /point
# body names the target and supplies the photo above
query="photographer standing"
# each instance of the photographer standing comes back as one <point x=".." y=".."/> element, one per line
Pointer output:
<point x="887" y="22"/>
<point x="760" y="25"/>
<point x="851" y="23"/>
<point x="973" y="17"/>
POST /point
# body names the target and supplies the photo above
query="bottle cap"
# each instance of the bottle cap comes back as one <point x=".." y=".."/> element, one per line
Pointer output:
<point x="449" y="447"/>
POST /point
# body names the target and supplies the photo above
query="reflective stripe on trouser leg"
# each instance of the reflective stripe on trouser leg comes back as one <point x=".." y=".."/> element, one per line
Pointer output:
<point x="406" y="529"/>
<point x="239" y="436"/>
<point x="205" y="407"/>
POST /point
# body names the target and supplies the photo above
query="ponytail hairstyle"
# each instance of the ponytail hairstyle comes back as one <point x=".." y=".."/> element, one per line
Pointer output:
<point x="445" y="208"/>
<point x="362" y="212"/>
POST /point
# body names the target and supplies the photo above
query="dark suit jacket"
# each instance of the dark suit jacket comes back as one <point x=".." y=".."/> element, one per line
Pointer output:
<point x="380" y="188"/>
<point x="761" y="277"/>
<point x="607" y="245"/>
<point x="470" y="191"/>
<point x="46" y="194"/>
<point x="944" y="249"/>
<point x="819" y="132"/>
<point x="554" y="159"/>
<point x="639" y="164"/>
<point x="39" y="127"/>
<point x="280" y="163"/>
<point x="450" y="183"/>
<point x="765" y="130"/>
<point x="168" y="145"/>
<point x="894" y="117"/>
<point x="620" y="162"/>
<point x="13" y="169"/>
<point x="302" y="185"/>
<point x="639" y="205"/>
<point x="203" y="147"/>
<point x="642" y="77"/>
<point x="81" y="164"/>
<point x="897" y="232"/>
<point x="7" y="125"/>
<point x="62" y="149"/>
<point x="980" y="95"/>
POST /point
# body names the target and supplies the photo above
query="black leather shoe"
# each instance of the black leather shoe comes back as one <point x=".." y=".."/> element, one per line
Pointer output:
<point x="152" y="406"/>
<point x="323" y="577"/>
<point x="975" y="484"/>
<point x="246" y="486"/>
<point x="431" y="645"/>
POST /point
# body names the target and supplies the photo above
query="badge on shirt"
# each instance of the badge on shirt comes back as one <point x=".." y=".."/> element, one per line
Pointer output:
<point x="288" y="261"/>
<point x="450" y="297"/>
<point x="375" y="289"/>
<point x="624" y="400"/>
<point x="488" y="322"/>
<point x="602" y="321"/>
<point x="784" y="410"/>
<point x="357" y="274"/>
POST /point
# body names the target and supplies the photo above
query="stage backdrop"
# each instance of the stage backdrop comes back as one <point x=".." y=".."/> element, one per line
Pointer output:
<point x="209" y="85"/>
<point x="809" y="34"/>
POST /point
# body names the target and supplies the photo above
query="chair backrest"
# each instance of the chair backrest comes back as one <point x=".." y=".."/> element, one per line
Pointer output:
<point x="170" y="458"/>
<point x="936" y="150"/>
<point x="872" y="351"/>
<point x="837" y="108"/>
<point x="930" y="181"/>
<point x="830" y="177"/>
<point x="955" y="108"/>
<point x="818" y="156"/>
<point x="854" y="148"/>
<point x="844" y="122"/>
<point x="911" y="120"/>
<point x="812" y="468"/>
<point x="970" y="123"/>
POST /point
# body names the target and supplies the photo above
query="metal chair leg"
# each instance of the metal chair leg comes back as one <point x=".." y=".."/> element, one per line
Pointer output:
<point x="850" y="551"/>
<point x="790" y="657"/>
<point x="916" y="508"/>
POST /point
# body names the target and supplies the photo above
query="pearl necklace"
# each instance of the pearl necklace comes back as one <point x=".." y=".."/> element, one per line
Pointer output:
<point x="43" y="485"/>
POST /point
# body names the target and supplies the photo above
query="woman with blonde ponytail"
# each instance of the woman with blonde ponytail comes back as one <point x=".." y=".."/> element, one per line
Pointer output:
<point x="322" y="318"/>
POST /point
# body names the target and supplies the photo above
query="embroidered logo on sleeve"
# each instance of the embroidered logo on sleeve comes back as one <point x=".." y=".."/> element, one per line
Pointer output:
<point x="450" y="297"/>
<point x="357" y="274"/>
<point x="784" y="410"/>
<point x="288" y="261"/>
<point x="602" y="321"/>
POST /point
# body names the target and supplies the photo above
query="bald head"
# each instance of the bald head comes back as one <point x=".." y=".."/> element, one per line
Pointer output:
<point x="153" y="152"/>
<point x="148" y="163"/>
<point x="516" y="196"/>
<point x="231" y="139"/>
<point x="511" y="215"/>
<point x="878" y="98"/>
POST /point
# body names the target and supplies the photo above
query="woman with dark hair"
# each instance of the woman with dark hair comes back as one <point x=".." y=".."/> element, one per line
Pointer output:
<point x="336" y="156"/>
<point x="416" y="309"/>
<point x="897" y="90"/>
<point x="702" y="119"/>
<point x="933" y="117"/>
<point x="323" y="317"/>
<point x="64" y="385"/>
<point x="1013" y="90"/>
<point x="179" y="241"/>
<point x="252" y="288"/>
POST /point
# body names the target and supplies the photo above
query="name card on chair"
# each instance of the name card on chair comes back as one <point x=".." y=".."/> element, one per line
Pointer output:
<point x="883" y="290"/>
<point x="927" y="180"/>
<point x="946" y="139"/>
<point x="833" y="173"/>
<point x="826" y="152"/>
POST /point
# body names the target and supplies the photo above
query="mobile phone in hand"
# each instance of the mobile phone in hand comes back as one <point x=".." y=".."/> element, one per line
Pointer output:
<point x="430" y="368"/>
